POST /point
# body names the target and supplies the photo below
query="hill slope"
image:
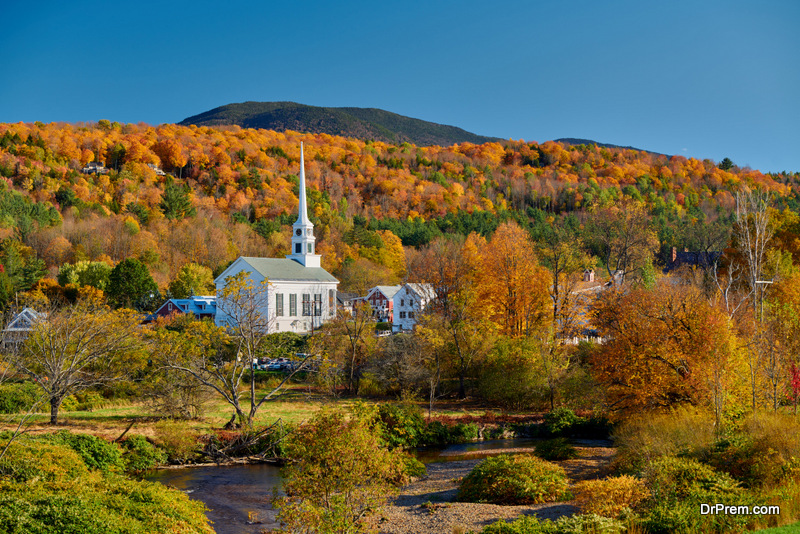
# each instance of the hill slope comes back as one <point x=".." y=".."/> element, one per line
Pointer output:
<point x="362" y="123"/>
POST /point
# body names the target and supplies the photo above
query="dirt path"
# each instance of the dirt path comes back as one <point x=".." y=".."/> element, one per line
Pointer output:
<point x="428" y="505"/>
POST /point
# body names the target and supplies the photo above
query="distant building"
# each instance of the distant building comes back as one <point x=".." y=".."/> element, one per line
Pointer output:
<point x="95" y="168"/>
<point x="156" y="169"/>
<point x="20" y="326"/>
<point x="202" y="307"/>
<point x="381" y="300"/>
<point x="298" y="295"/>
<point x="701" y="260"/>
<point x="409" y="301"/>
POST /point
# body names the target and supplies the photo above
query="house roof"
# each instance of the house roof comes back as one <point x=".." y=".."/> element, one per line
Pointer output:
<point x="198" y="305"/>
<point x="388" y="291"/>
<point x="422" y="290"/>
<point x="282" y="269"/>
<point x="24" y="320"/>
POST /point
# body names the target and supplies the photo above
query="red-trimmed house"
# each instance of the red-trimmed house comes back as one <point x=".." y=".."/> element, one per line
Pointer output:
<point x="380" y="299"/>
<point x="201" y="307"/>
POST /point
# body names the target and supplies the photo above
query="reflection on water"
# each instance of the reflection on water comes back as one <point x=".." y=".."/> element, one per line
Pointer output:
<point x="230" y="493"/>
<point x="452" y="452"/>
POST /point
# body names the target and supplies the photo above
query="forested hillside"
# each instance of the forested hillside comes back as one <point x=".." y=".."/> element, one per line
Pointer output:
<point x="233" y="191"/>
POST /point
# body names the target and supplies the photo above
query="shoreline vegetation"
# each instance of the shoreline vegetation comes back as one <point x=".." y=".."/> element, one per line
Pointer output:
<point x="428" y="502"/>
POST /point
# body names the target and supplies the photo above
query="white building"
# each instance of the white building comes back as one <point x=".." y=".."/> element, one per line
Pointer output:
<point x="296" y="294"/>
<point x="408" y="303"/>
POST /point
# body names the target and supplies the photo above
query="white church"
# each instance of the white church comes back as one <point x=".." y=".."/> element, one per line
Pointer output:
<point x="298" y="294"/>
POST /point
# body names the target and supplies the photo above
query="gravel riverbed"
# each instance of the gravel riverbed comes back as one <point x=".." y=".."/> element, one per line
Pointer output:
<point x="428" y="506"/>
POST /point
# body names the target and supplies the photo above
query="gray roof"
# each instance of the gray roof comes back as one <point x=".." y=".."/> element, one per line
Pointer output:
<point x="286" y="270"/>
<point x="388" y="291"/>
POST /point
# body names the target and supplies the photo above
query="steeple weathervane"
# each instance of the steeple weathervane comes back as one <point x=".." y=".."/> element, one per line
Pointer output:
<point x="303" y="230"/>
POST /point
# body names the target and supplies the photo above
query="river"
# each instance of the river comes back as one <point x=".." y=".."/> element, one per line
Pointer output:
<point x="238" y="496"/>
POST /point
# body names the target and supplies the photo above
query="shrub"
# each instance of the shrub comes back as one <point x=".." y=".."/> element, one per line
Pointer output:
<point x="141" y="455"/>
<point x="97" y="453"/>
<point x="670" y="479"/>
<point x="560" y="420"/>
<point x="678" y="487"/>
<point x="177" y="440"/>
<point x="647" y="437"/>
<point x="761" y="452"/>
<point x="556" y="449"/>
<point x="401" y="426"/>
<point x="15" y="398"/>
<point x="520" y="479"/>
<point x="28" y="459"/>
<point x="51" y="490"/>
<point x="340" y="473"/>
<point x="609" y="497"/>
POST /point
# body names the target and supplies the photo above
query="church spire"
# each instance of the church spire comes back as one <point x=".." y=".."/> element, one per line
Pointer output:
<point x="303" y="230"/>
<point x="302" y="211"/>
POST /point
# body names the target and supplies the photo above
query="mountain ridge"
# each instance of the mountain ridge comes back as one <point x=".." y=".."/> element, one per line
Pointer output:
<point x="363" y="123"/>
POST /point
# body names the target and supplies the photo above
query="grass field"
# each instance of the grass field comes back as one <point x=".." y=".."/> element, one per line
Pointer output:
<point x="298" y="403"/>
<point x="786" y="529"/>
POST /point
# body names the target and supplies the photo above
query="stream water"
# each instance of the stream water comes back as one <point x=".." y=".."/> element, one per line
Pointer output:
<point x="238" y="496"/>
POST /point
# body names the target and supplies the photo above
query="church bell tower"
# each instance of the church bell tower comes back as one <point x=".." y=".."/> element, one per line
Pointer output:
<point x="303" y="240"/>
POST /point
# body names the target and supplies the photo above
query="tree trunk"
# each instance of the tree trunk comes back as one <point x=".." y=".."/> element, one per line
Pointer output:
<point x="55" y="404"/>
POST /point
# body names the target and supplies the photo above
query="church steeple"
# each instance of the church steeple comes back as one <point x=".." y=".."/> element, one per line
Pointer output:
<point x="303" y="239"/>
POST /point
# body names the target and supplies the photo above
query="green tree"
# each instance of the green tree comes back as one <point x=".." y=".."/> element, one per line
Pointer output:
<point x="130" y="285"/>
<point x="175" y="201"/>
<point x="192" y="279"/>
<point x="85" y="273"/>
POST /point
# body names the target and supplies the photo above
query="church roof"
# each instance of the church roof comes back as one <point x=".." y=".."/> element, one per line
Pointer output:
<point x="287" y="270"/>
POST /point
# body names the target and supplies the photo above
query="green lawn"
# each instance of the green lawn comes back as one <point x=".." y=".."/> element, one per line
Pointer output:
<point x="787" y="529"/>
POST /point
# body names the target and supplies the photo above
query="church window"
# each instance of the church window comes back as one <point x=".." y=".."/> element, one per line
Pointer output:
<point x="298" y="248"/>
<point x="306" y="304"/>
<point x="279" y="304"/>
<point x="318" y="305"/>
<point x="311" y="248"/>
<point x="331" y="301"/>
<point x="292" y="305"/>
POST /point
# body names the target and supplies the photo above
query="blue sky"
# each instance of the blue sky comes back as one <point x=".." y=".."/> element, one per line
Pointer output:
<point x="704" y="79"/>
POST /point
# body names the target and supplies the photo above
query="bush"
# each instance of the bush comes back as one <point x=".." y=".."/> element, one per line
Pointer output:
<point x="177" y="440"/>
<point x="647" y="437"/>
<point x="671" y="479"/>
<point x="97" y="453"/>
<point x="610" y="497"/>
<point x="556" y="449"/>
<point x="15" y="398"/>
<point x="340" y="473"/>
<point x="760" y="453"/>
<point x="28" y="459"/>
<point x="678" y="486"/>
<point x="48" y="488"/>
<point x="141" y="455"/>
<point x="401" y="426"/>
<point x="520" y="479"/>
<point x="559" y="421"/>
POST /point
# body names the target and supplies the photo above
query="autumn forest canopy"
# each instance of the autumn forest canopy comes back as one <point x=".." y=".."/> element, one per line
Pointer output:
<point x="232" y="191"/>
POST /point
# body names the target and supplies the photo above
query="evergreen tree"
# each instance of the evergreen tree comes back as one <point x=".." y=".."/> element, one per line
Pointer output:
<point x="130" y="285"/>
<point x="175" y="201"/>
